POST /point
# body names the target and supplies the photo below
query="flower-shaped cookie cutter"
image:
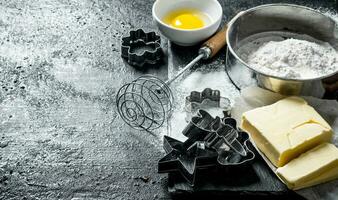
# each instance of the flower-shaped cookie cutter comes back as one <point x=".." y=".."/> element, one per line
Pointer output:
<point x="209" y="100"/>
<point x="140" y="48"/>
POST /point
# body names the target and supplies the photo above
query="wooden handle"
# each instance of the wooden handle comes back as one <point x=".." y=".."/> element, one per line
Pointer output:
<point x="217" y="41"/>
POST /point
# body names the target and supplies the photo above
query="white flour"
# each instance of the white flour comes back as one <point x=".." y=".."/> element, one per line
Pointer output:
<point x="197" y="81"/>
<point x="303" y="58"/>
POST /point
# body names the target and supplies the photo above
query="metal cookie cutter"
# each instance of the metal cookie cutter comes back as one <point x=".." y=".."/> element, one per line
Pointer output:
<point x="222" y="135"/>
<point x="141" y="48"/>
<point x="186" y="161"/>
<point x="210" y="143"/>
<point x="230" y="143"/>
<point x="208" y="100"/>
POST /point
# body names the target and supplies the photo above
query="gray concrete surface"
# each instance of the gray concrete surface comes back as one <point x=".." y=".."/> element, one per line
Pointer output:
<point x="60" y="135"/>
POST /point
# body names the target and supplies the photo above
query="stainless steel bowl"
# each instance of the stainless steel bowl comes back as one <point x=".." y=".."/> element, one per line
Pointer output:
<point x="281" y="18"/>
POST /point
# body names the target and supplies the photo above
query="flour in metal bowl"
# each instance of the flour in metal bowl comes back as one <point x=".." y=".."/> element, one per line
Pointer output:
<point x="293" y="56"/>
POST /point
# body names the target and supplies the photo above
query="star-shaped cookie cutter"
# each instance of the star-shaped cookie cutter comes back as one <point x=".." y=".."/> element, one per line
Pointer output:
<point x="185" y="161"/>
<point x="207" y="146"/>
<point x="147" y="44"/>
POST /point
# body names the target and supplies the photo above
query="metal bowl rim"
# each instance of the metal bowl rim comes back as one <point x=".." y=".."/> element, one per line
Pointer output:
<point x="273" y="5"/>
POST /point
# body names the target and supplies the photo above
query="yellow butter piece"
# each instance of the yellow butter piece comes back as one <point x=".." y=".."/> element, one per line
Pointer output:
<point x="316" y="166"/>
<point x="286" y="129"/>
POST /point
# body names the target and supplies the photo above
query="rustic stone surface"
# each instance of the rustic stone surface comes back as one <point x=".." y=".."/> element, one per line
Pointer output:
<point x="60" y="67"/>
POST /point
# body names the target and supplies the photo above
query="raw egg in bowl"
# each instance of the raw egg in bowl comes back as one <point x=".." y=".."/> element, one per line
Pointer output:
<point x="187" y="22"/>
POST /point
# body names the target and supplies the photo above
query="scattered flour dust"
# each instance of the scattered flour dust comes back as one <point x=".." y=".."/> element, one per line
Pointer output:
<point x="196" y="81"/>
<point x="301" y="58"/>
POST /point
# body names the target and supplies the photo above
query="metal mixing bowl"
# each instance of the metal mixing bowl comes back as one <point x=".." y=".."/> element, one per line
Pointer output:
<point x="279" y="17"/>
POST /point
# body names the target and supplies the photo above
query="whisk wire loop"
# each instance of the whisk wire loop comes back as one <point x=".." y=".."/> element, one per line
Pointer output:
<point x="144" y="103"/>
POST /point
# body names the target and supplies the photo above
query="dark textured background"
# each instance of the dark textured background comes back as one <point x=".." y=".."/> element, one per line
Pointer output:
<point x="60" y="67"/>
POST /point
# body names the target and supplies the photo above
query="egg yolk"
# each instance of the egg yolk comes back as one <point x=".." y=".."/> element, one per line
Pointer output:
<point x="184" y="19"/>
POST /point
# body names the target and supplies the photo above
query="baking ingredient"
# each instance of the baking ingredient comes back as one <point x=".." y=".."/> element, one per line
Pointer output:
<point x="186" y="19"/>
<point x="316" y="166"/>
<point x="286" y="129"/>
<point x="328" y="109"/>
<point x="215" y="79"/>
<point x="301" y="58"/>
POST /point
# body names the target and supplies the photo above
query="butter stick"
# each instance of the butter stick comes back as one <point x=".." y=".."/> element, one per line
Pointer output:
<point x="286" y="129"/>
<point x="316" y="166"/>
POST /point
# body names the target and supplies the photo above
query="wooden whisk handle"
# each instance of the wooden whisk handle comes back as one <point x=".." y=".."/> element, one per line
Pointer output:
<point x="216" y="42"/>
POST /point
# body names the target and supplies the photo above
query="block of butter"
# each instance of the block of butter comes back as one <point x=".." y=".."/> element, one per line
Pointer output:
<point x="286" y="129"/>
<point x="316" y="166"/>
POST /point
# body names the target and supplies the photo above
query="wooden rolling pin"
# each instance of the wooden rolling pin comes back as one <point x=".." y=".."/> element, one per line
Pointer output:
<point x="208" y="50"/>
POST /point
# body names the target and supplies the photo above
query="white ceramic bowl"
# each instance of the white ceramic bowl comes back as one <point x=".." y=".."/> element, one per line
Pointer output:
<point x="182" y="37"/>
